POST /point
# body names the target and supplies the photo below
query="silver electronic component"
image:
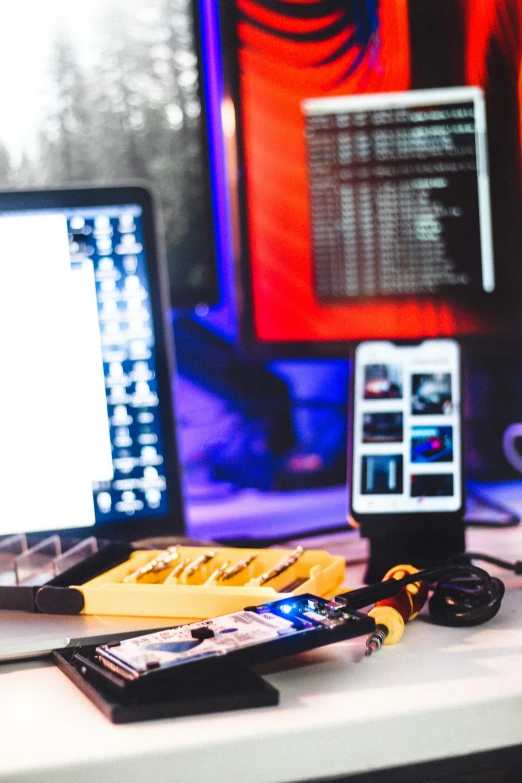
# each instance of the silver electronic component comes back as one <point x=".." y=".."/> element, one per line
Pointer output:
<point x="283" y="564"/>
<point x="236" y="568"/>
<point x="218" y="573"/>
<point x="157" y="563"/>
<point x="177" y="570"/>
<point x="199" y="562"/>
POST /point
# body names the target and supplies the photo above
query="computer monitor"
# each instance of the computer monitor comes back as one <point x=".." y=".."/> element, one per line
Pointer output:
<point x="378" y="184"/>
<point x="88" y="436"/>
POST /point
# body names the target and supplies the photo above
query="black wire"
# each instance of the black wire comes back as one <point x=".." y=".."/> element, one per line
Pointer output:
<point x="463" y="595"/>
<point x="467" y="557"/>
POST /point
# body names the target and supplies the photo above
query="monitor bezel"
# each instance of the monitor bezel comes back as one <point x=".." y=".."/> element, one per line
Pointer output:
<point x="135" y="527"/>
<point x="208" y="293"/>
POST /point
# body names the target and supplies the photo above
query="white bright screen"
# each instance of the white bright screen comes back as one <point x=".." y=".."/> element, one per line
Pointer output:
<point x="55" y="439"/>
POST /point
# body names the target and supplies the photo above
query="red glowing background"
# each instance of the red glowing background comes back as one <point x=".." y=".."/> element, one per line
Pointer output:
<point x="276" y="74"/>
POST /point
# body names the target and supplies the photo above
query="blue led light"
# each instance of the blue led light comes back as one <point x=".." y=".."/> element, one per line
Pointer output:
<point x="286" y="608"/>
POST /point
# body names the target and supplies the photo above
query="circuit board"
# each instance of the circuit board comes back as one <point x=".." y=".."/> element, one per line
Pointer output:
<point x="253" y="635"/>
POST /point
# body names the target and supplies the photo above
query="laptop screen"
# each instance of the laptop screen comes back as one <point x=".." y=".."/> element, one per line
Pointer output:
<point x="88" y="430"/>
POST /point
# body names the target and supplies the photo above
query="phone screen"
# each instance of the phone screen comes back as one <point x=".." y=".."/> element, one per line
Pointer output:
<point x="406" y="428"/>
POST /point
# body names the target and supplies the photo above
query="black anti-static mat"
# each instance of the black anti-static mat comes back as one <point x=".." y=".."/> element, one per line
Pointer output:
<point x="242" y="689"/>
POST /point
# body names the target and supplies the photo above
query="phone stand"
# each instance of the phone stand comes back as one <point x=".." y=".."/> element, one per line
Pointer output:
<point x="422" y="543"/>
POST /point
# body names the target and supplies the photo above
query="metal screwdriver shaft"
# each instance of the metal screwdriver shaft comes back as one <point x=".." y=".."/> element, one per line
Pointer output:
<point x="392" y="613"/>
<point x="376" y="639"/>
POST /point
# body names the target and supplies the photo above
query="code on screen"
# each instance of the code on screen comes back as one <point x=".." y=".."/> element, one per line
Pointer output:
<point x="399" y="194"/>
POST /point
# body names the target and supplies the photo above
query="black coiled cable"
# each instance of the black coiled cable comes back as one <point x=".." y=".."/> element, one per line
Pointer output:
<point x="462" y="595"/>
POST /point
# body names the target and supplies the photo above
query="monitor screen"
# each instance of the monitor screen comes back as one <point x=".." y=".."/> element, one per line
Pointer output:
<point x="380" y="187"/>
<point x="85" y="394"/>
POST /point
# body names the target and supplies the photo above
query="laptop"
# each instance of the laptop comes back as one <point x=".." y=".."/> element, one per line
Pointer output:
<point x="29" y="635"/>
<point x="88" y="423"/>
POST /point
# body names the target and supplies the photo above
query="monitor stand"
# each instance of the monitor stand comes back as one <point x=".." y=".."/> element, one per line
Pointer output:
<point x="422" y="543"/>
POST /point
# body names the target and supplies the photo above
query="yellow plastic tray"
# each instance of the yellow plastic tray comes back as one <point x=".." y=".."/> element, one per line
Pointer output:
<point x="191" y="599"/>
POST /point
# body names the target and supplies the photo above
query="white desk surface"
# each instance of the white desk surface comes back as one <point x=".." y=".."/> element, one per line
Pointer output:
<point x="440" y="692"/>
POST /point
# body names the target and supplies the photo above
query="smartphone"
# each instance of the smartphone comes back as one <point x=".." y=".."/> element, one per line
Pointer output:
<point x="406" y="456"/>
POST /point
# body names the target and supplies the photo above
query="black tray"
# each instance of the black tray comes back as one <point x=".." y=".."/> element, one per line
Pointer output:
<point x="235" y="690"/>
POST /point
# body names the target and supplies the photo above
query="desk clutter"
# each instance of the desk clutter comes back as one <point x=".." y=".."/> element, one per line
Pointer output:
<point x="201" y="666"/>
<point x="185" y="582"/>
<point x="230" y="608"/>
<point x="204" y="666"/>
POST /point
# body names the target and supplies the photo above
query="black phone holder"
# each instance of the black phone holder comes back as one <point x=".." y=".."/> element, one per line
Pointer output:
<point x="423" y="542"/>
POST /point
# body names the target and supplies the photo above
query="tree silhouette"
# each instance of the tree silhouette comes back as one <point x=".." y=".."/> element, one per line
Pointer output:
<point x="130" y="111"/>
<point x="5" y="166"/>
<point x="65" y="139"/>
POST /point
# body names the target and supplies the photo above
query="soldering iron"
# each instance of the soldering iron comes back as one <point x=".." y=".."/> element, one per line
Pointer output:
<point x="461" y="596"/>
<point x="391" y="614"/>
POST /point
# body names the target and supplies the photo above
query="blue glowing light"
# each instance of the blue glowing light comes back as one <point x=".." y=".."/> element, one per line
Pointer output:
<point x="286" y="608"/>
